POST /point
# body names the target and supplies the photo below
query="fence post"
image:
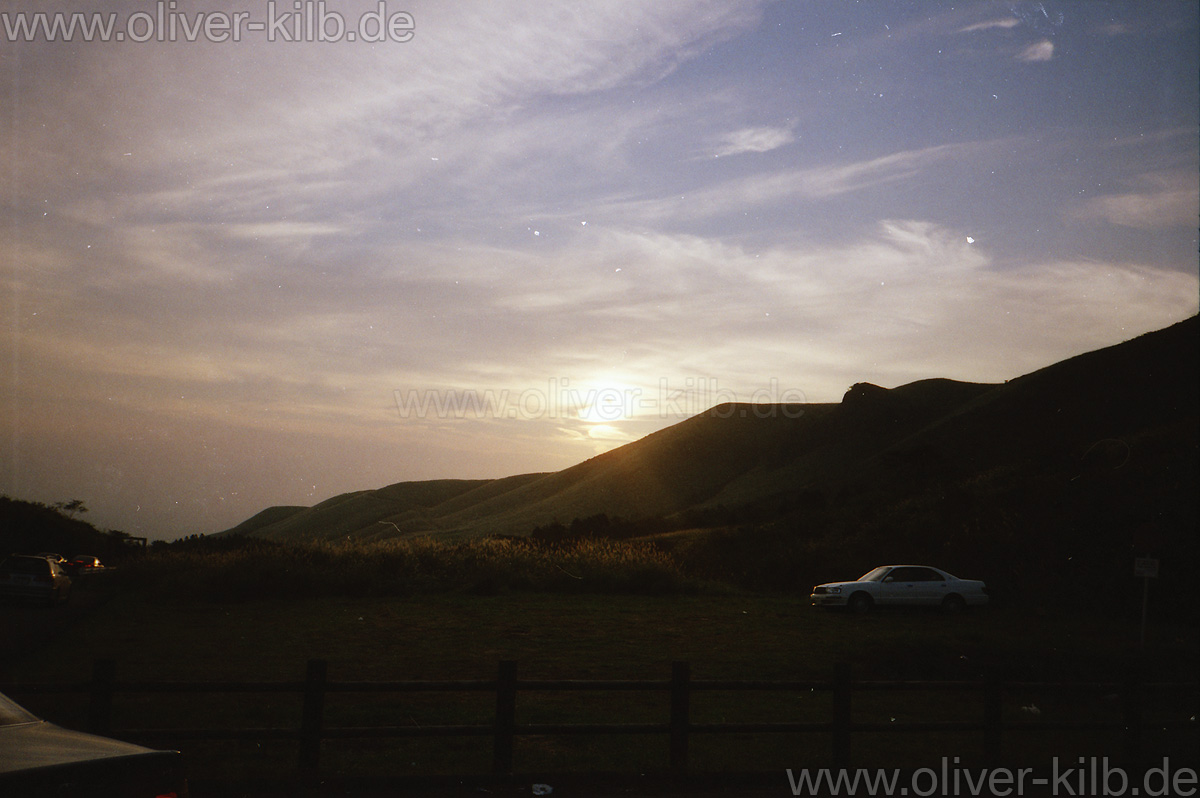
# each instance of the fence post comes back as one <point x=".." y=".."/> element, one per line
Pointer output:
<point x="993" y="717"/>
<point x="311" y="719"/>
<point x="681" y="677"/>
<point x="104" y="677"/>
<point x="1131" y="717"/>
<point x="841" y="715"/>
<point x="506" y="717"/>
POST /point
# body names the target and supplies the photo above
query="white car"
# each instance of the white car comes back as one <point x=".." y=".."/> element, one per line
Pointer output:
<point x="902" y="586"/>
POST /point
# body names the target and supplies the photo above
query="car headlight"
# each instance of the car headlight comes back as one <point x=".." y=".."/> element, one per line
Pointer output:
<point x="835" y="590"/>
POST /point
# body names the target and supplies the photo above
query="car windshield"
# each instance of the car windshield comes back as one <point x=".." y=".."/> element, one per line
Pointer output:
<point x="875" y="575"/>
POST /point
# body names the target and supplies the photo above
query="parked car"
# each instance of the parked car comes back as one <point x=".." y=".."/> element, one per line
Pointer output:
<point x="904" y="586"/>
<point x="40" y="759"/>
<point x="85" y="563"/>
<point x="26" y="576"/>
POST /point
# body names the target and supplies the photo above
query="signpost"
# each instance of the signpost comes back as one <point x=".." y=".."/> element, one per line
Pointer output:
<point x="1145" y="568"/>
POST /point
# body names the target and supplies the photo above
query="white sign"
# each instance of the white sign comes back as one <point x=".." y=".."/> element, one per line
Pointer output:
<point x="1145" y="567"/>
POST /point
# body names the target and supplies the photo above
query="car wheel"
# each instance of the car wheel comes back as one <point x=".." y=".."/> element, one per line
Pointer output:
<point x="859" y="603"/>
<point x="953" y="604"/>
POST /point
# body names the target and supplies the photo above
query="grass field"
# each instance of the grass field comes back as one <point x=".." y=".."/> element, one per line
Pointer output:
<point x="724" y="634"/>
<point x="584" y="636"/>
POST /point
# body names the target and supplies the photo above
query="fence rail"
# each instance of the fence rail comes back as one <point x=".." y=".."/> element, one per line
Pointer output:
<point x="504" y="730"/>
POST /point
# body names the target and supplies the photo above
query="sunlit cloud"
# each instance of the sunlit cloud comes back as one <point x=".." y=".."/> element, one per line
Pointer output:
<point x="608" y="434"/>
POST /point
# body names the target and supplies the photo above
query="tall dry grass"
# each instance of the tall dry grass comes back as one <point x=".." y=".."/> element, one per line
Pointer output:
<point x="244" y="569"/>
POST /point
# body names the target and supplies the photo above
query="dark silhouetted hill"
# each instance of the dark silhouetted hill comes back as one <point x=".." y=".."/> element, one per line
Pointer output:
<point x="1084" y="455"/>
<point x="31" y="527"/>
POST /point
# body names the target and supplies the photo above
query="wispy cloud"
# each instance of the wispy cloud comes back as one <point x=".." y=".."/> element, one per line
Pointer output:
<point x="754" y="139"/>
<point x="272" y="127"/>
<point x="1164" y="200"/>
<point x="911" y="283"/>
<point x="813" y="183"/>
<point x="1037" y="52"/>
<point x="991" y="24"/>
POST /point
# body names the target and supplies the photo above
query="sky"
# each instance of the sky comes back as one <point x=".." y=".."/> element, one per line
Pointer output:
<point x="248" y="261"/>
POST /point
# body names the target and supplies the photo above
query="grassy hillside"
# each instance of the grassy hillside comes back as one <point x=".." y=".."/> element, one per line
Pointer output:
<point x="665" y="473"/>
<point x="367" y="514"/>
<point x="264" y="519"/>
<point x="1064" y="471"/>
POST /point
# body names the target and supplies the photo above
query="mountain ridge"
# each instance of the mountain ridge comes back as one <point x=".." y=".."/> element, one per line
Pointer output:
<point x="771" y="458"/>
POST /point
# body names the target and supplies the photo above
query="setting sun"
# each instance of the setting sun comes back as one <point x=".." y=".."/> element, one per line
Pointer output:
<point x="606" y="402"/>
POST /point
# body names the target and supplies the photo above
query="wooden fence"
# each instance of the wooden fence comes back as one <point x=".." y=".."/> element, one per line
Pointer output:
<point x="678" y="725"/>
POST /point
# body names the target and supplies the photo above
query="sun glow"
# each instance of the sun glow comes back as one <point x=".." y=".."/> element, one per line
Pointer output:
<point x="606" y="433"/>
<point x="607" y="402"/>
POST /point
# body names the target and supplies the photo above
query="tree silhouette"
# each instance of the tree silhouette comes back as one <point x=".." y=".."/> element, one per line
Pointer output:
<point x="71" y="507"/>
